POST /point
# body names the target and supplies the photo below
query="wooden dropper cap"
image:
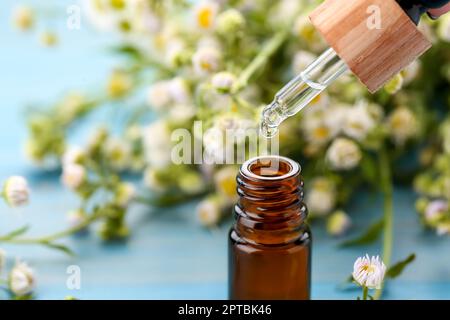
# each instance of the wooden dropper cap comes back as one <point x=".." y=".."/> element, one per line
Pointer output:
<point x="374" y="53"/>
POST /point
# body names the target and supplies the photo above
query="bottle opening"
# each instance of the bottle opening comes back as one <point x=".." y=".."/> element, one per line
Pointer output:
<point x="270" y="168"/>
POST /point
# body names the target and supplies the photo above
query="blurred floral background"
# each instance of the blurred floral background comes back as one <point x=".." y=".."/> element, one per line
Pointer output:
<point x="220" y="62"/>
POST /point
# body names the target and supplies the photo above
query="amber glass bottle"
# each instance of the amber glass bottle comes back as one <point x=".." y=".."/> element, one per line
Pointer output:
<point x="270" y="243"/>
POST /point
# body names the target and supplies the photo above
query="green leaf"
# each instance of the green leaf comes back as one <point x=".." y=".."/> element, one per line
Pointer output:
<point x="371" y="235"/>
<point x="15" y="233"/>
<point x="129" y="51"/>
<point x="397" y="269"/>
<point x="59" y="247"/>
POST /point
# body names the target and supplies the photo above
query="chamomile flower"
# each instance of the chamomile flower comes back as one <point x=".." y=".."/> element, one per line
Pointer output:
<point x="358" y="122"/>
<point x="21" y="279"/>
<point x="158" y="95"/>
<point x="209" y="211"/>
<point x="225" y="183"/>
<point x="214" y="146"/>
<point x="402" y="124"/>
<point x="205" y="14"/>
<point x="206" y="60"/>
<point x="157" y="144"/>
<point x="321" y="196"/>
<point x="23" y="18"/>
<point x="179" y="90"/>
<point x="369" y="272"/>
<point x="48" y="39"/>
<point x="343" y="154"/>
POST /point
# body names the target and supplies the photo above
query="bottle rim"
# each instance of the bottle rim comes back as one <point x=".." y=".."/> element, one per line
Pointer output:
<point x="294" y="168"/>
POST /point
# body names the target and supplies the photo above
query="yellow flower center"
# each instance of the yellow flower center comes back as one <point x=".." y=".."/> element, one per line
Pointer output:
<point x="307" y="33"/>
<point x="228" y="186"/>
<point x="117" y="4"/>
<point x="397" y="122"/>
<point x="204" y="17"/>
<point x="368" y="268"/>
<point x="206" y="65"/>
<point x="321" y="132"/>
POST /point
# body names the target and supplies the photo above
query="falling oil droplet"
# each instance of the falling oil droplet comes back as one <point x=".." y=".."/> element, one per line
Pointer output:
<point x="267" y="131"/>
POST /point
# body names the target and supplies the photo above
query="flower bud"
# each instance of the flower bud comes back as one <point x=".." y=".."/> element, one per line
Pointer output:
<point x="21" y="279"/>
<point x="394" y="85"/>
<point x="73" y="176"/>
<point x="223" y="82"/>
<point x="443" y="228"/>
<point x="119" y="84"/>
<point x="338" y="223"/>
<point x="229" y="22"/>
<point x="125" y="193"/>
<point x="154" y="181"/>
<point x="76" y="218"/>
<point x="421" y="205"/>
<point x="16" y="192"/>
<point x="191" y="182"/>
<point x="73" y="155"/>
<point x="435" y="211"/>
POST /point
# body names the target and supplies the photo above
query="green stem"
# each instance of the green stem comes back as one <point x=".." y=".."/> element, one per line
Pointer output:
<point x="365" y="292"/>
<point x="386" y="185"/>
<point x="260" y="60"/>
<point x="52" y="237"/>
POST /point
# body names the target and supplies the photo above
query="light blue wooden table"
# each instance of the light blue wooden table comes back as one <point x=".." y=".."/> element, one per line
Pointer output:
<point x="169" y="256"/>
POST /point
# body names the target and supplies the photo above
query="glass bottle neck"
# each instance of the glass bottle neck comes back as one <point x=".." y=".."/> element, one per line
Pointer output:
<point x="270" y="210"/>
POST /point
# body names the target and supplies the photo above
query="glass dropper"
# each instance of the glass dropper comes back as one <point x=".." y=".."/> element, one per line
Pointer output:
<point x="301" y="90"/>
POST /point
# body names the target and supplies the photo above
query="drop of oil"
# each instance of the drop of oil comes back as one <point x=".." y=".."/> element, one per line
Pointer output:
<point x="268" y="131"/>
